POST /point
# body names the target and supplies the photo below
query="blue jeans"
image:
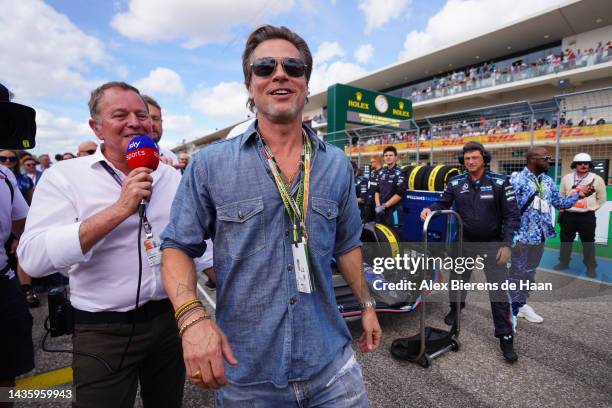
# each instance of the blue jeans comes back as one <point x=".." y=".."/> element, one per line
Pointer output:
<point x="332" y="387"/>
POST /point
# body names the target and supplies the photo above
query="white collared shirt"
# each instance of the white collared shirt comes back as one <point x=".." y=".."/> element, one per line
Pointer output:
<point x="106" y="277"/>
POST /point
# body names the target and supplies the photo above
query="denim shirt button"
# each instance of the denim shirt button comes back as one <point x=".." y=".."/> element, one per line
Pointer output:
<point x="240" y="215"/>
<point x="329" y="213"/>
<point x="292" y="301"/>
<point x="289" y="268"/>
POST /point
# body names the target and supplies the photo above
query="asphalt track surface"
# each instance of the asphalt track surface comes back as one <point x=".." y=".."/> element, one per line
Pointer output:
<point x="564" y="362"/>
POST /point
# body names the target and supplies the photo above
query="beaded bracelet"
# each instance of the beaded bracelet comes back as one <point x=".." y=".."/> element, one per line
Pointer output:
<point x="185" y="305"/>
<point x="191" y="323"/>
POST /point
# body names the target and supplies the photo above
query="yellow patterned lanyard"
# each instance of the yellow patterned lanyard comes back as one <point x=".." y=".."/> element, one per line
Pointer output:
<point x="296" y="214"/>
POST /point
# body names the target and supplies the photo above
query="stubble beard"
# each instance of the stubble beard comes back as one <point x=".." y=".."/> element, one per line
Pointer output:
<point x="282" y="115"/>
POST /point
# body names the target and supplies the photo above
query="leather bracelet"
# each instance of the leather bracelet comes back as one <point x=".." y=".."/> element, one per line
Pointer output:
<point x="188" y="314"/>
<point x="186" y="311"/>
<point x="191" y="323"/>
<point x="184" y="306"/>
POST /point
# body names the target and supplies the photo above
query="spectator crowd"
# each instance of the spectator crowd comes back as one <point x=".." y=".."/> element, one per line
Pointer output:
<point x="496" y="73"/>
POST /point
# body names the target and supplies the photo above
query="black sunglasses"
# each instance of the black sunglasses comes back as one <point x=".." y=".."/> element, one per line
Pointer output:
<point x="90" y="152"/>
<point x="10" y="159"/>
<point x="583" y="163"/>
<point x="263" y="67"/>
<point x="545" y="158"/>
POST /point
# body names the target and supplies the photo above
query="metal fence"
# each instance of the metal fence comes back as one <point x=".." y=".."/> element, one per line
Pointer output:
<point x="566" y="125"/>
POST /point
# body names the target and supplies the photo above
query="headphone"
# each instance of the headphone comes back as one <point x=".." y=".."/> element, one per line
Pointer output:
<point x="470" y="146"/>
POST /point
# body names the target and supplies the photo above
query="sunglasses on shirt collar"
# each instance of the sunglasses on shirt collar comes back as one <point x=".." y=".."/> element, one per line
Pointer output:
<point x="4" y="159"/>
<point x="263" y="67"/>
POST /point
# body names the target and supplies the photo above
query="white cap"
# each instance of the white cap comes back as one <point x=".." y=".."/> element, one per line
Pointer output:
<point x="582" y="157"/>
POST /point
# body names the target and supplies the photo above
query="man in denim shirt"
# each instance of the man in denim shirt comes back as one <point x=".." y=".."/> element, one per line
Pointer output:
<point x="277" y="323"/>
<point x="536" y="195"/>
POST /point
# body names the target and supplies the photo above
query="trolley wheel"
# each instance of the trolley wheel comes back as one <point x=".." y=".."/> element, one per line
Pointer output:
<point x="425" y="361"/>
<point x="455" y="345"/>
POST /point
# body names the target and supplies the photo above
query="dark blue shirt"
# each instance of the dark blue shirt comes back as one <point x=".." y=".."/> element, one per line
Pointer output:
<point x="228" y="194"/>
<point x="487" y="206"/>
<point x="361" y="187"/>
<point x="391" y="181"/>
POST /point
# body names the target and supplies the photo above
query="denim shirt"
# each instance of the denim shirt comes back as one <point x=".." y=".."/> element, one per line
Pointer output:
<point x="228" y="194"/>
<point x="536" y="227"/>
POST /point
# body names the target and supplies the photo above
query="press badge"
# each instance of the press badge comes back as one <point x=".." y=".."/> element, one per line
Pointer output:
<point x="541" y="205"/>
<point x="154" y="254"/>
<point x="300" y="266"/>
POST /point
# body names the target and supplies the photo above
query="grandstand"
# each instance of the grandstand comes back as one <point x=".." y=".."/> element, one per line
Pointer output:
<point x="546" y="79"/>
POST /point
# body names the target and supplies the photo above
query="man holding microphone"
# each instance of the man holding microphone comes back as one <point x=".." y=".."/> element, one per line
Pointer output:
<point x="85" y="216"/>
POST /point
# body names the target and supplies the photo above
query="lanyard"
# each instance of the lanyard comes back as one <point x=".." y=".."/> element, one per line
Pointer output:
<point x="145" y="222"/>
<point x="296" y="209"/>
<point x="112" y="173"/>
<point x="578" y="181"/>
<point x="539" y="187"/>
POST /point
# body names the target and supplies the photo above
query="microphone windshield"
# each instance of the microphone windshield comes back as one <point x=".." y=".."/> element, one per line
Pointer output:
<point x="142" y="152"/>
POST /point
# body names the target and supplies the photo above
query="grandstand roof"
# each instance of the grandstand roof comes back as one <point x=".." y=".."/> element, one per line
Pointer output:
<point x="551" y="25"/>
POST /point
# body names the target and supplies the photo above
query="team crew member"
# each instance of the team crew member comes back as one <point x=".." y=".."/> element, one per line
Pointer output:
<point x="361" y="188"/>
<point x="278" y="339"/>
<point x="536" y="195"/>
<point x="390" y="189"/>
<point x="16" y="349"/>
<point x="375" y="166"/>
<point x="85" y="215"/>
<point x="487" y="205"/>
<point x="581" y="217"/>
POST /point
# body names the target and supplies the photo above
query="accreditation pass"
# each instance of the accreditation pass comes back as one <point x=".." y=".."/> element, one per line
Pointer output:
<point x="300" y="266"/>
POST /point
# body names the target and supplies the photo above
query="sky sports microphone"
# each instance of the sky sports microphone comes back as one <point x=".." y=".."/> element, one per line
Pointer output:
<point x="142" y="152"/>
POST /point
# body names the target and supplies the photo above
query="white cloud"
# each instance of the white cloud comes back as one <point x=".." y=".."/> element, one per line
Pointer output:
<point x="224" y="102"/>
<point x="327" y="51"/>
<point x="460" y="20"/>
<point x="43" y="53"/>
<point x="364" y="53"/>
<point x="193" y="22"/>
<point x="178" y="128"/>
<point x="327" y="74"/>
<point x="379" y="12"/>
<point x="161" y="81"/>
<point x="60" y="134"/>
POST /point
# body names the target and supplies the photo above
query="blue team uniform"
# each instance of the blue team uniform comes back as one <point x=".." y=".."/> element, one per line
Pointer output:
<point x="490" y="217"/>
<point x="391" y="181"/>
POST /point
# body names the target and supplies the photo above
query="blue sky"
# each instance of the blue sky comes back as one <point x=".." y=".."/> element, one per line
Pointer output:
<point x="186" y="53"/>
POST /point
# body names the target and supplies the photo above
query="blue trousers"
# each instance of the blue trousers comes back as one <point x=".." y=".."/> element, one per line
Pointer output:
<point x="525" y="260"/>
<point x="500" y="307"/>
<point x="343" y="388"/>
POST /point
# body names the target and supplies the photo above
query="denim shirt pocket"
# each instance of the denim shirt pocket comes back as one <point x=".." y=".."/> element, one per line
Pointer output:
<point x="322" y="232"/>
<point x="241" y="228"/>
